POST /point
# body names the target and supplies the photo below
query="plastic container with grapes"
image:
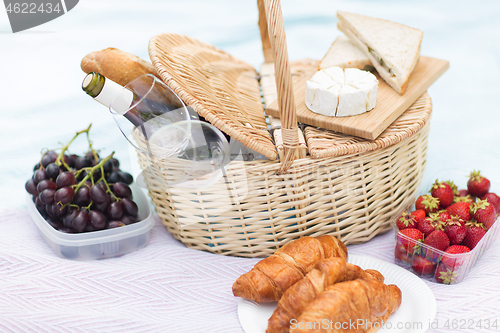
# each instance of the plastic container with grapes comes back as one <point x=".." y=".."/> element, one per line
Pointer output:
<point x="447" y="268"/>
<point x="98" y="244"/>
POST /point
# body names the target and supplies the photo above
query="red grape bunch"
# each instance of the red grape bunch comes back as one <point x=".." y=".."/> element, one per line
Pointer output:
<point x="82" y="193"/>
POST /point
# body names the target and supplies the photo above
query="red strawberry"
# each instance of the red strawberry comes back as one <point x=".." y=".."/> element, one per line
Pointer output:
<point x="429" y="224"/>
<point x="412" y="239"/>
<point x="477" y="184"/>
<point x="463" y="193"/>
<point x="462" y="209"/>
<point x="443" y="216"/>
<point x="438" y="240"/>
<point x="402" y="256"/>
<point x="493" y="199"/>
<point x="445" y="275"/>
<point x="484" y="213"/>
<point x="475" y="231"/>
<point x="450" y="260"/>
<point x="453" y="187"/>
<point x="455" y="230"/>
<point x="406" y="221"/>
<point x="422" y="266"/>
<point x="427" y="203"/>
<point x="418" y="214"/>
<point x="443" y="192"/>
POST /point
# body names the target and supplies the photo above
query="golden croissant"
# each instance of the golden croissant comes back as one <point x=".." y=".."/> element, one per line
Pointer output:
<point x="296" y="298"/>
<point x="352" y="306"/>
<point x="272" y="276"/>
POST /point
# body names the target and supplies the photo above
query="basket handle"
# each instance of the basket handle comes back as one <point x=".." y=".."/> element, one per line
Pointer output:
<point x="274" y="47"/>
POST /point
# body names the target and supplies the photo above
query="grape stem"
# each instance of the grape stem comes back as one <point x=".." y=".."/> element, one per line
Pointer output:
<point x="41" y="158"/>
<point x="94" y="153"/>
<point x="92" y="170"/>
<point x="60" y="158"/>
<point x="108" y="190"/>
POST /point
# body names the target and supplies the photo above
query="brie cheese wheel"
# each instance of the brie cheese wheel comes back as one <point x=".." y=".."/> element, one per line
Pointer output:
<point x="337" y="92"/>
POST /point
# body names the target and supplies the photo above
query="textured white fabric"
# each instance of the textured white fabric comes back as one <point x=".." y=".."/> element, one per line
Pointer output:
<point x="166" y="287"/>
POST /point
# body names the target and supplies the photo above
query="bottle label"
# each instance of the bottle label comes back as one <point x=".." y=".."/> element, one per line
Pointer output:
<point x="117" y="98"/>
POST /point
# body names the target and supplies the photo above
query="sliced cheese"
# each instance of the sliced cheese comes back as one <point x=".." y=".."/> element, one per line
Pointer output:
<point x="337" y="92"/>
<point x="364" y="81"/>
<point x="322" y="98"/>
<point x="352" y="101"/>
<point x="336" y="73"/>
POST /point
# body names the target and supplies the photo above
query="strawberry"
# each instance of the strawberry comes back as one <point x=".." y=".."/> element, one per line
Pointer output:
<point x="450" y="260"/>
<point x="463" y="193"/>
<point x="410" y="240"/>
<point x="462" y="209"/>
<point x="484" y="213"/>
<point x="453" y="187"/>
<point x="427" y="203"/>
<point x="466" y="198"/>
<point x="493" y="199"/>
<point x="418" y="214"/>
<point x="422" y="266"/>
<point x="445" y="275"/>
<point x="443" y="192"/>
<point x="443" y="216"/>
<point x="475" y="231"/>
<point x="429" y="224"/>
<point x="477" y="184"/>
<point x="406" y="221"/>
<point x="438" y="240"/>
<point x="402" y="257"/>
<point x="455" y="230"/>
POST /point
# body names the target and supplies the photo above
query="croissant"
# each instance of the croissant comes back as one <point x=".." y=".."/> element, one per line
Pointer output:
<point x="270" y="277"/>
<point x="352" y="306"/>
<point x="296" y="298"/>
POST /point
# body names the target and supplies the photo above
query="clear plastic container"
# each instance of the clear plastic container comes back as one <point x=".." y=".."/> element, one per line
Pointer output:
<point x="445" y="268"/>
<point x="98" y="244"/>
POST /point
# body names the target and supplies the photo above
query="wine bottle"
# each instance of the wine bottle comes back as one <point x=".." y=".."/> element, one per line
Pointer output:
<point x="148" y="105"/>
<point x="124" y="101"/>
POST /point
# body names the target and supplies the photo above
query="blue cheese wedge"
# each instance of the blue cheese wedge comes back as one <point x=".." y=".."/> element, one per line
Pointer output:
<point x="337" y="92"/>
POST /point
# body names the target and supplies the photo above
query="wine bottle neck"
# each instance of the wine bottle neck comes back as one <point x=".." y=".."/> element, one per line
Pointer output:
<point x="108" y="92"/>
<point x="93" y="84"/>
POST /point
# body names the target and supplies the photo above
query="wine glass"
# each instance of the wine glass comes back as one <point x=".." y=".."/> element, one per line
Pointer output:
<point x="147" y="104"/>
<point x="188" y="154"/>
<point x="180" y="149"/>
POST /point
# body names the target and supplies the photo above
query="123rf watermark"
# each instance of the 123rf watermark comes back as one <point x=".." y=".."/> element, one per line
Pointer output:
<point x="361" y="324"/>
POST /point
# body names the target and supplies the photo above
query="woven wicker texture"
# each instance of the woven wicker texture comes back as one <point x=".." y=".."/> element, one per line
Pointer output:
<point x="284" y="82"/>
<point x="252" y="209"/>
<point x="222" y="89"/>
<point x="323" y="143"/>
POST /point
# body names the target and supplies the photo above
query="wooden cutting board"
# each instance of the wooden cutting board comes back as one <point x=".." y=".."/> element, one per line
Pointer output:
<point x="390" y="104"/>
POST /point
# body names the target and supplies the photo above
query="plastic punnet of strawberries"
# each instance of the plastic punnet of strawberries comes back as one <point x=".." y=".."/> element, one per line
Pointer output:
<point x="446" y="223"/>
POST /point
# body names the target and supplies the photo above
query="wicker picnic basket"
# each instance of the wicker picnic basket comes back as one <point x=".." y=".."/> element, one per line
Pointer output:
<point x="346" y="186"/>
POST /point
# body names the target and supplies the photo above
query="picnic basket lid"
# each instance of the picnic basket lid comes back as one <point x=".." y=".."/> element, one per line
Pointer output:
<point x="226" y="91"/>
